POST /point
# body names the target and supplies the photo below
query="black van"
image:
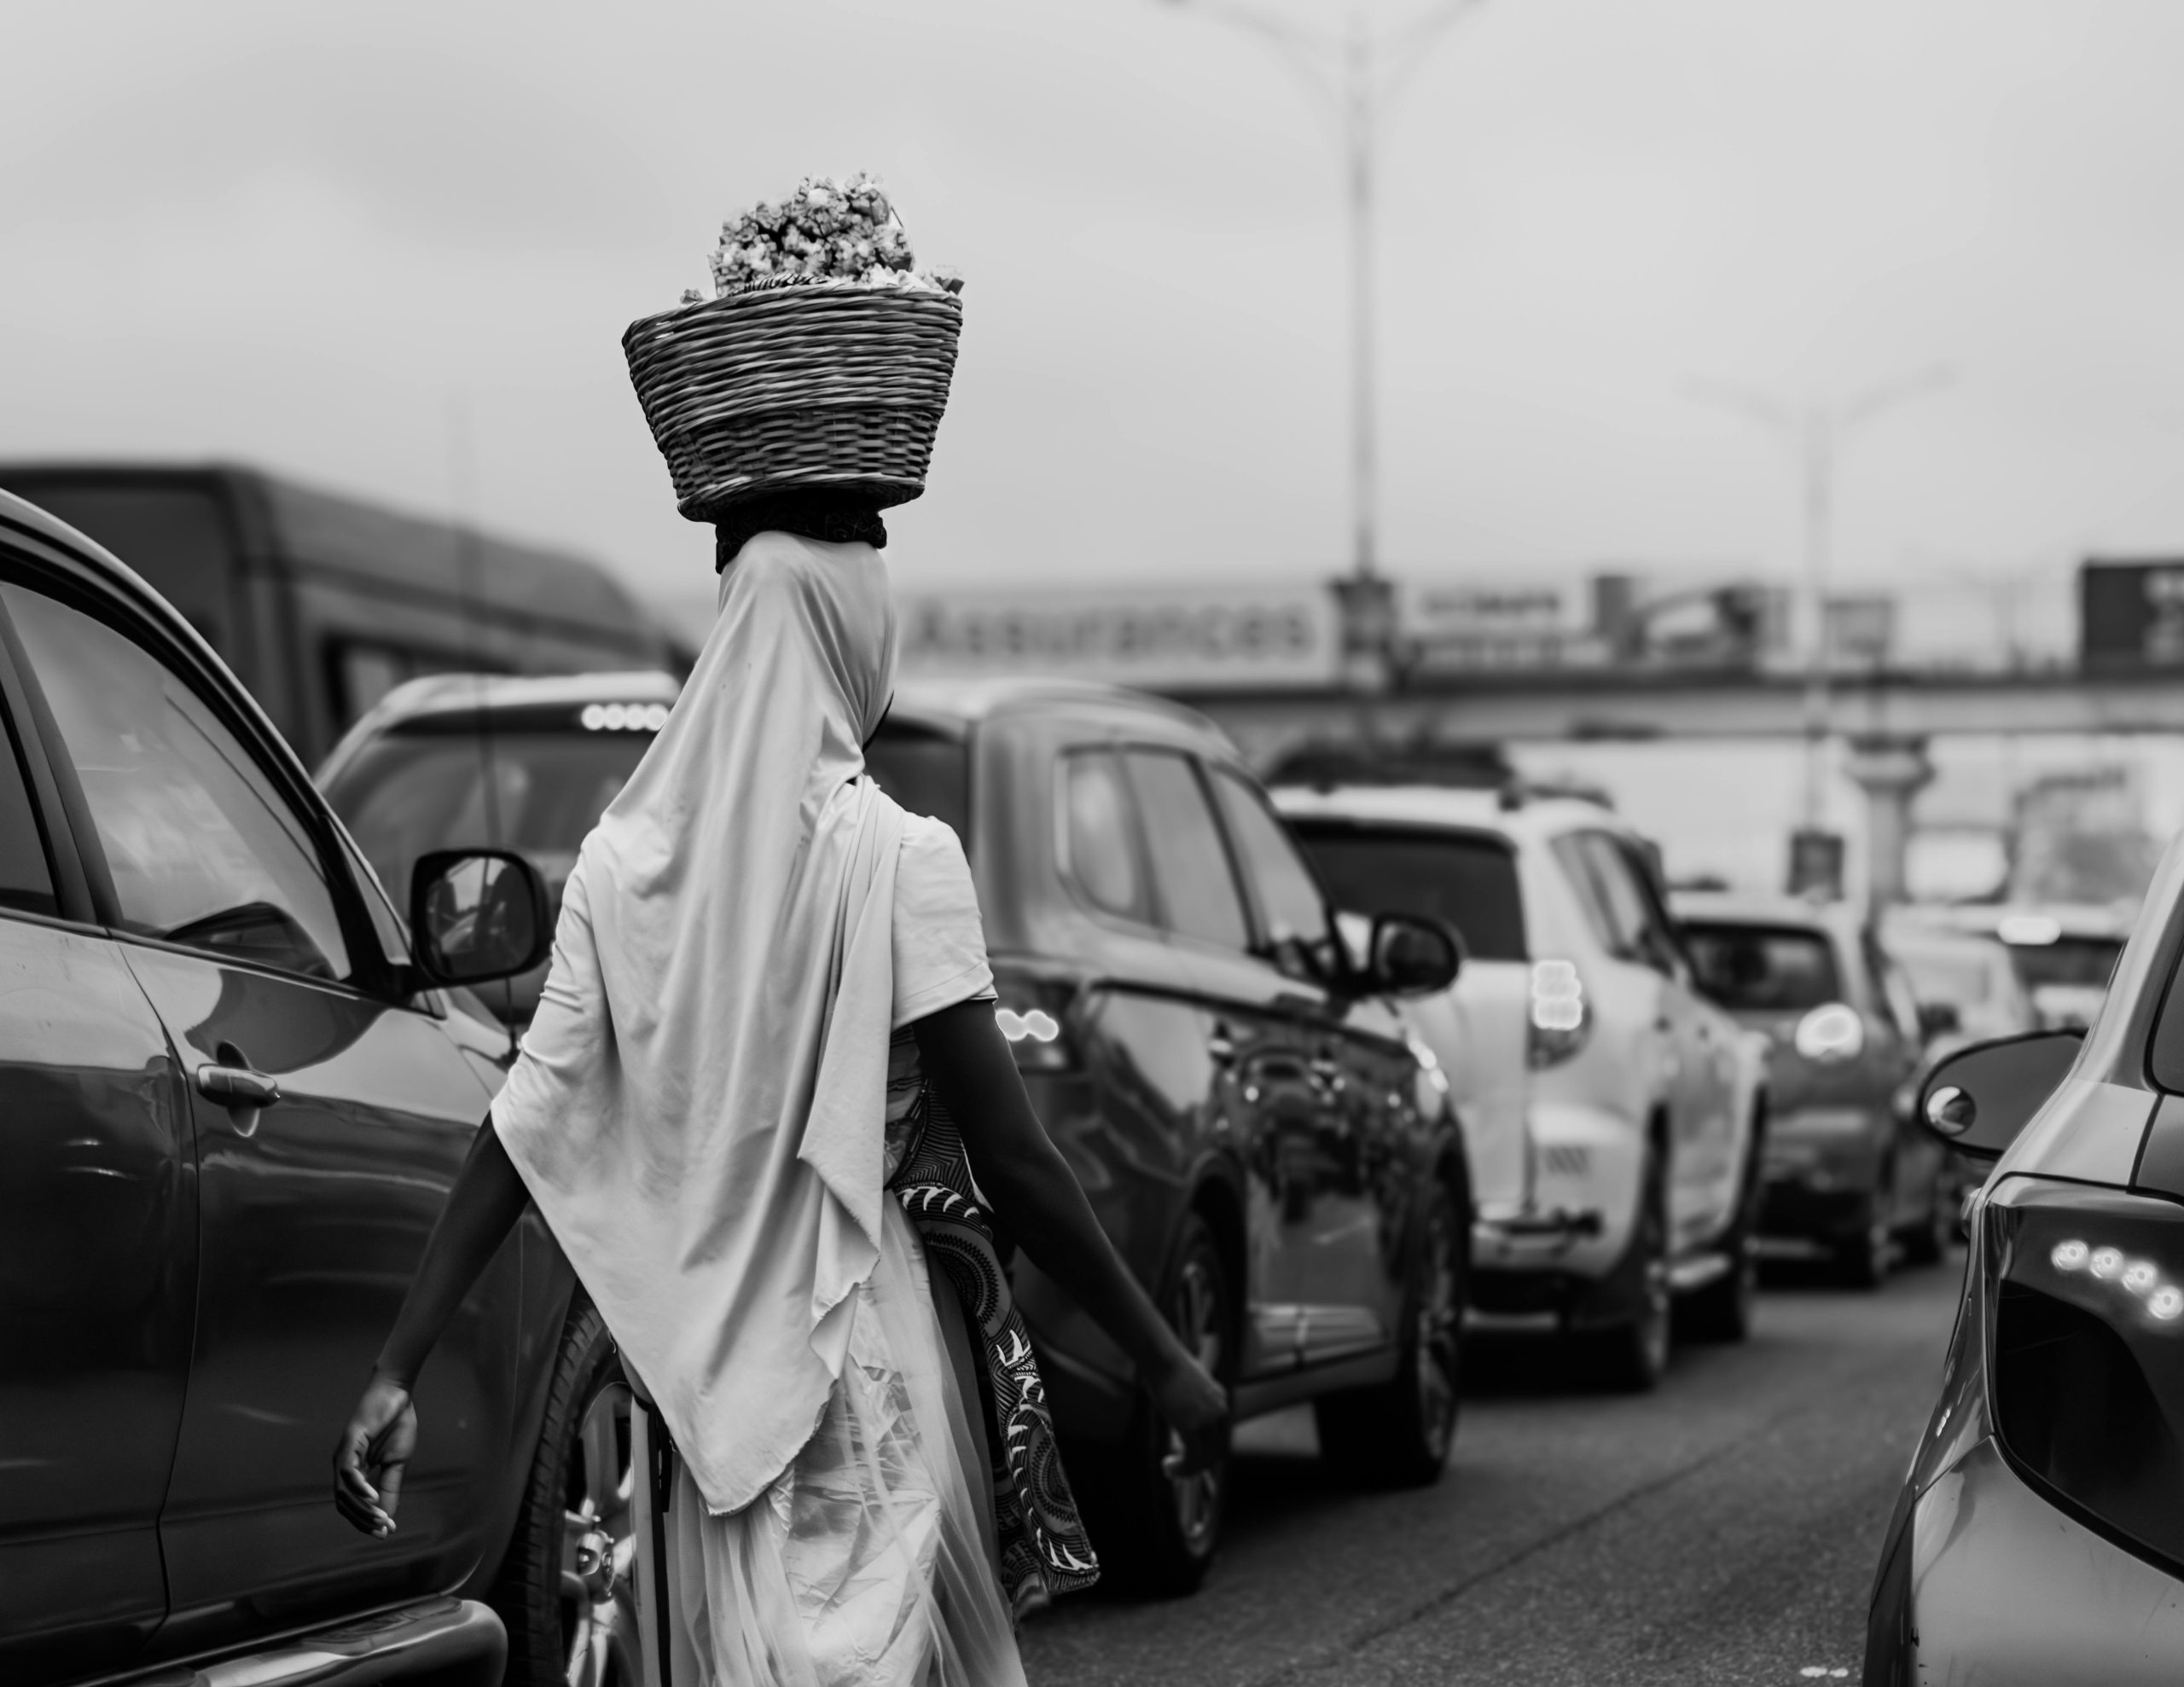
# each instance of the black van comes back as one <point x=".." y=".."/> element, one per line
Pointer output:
<point x="320" y="604"/>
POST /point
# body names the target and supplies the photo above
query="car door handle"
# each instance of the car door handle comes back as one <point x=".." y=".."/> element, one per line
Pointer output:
<point x="237" y="1086"/>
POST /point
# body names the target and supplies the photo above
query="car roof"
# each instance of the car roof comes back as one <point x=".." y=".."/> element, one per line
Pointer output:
<point x="1452" y="806"/>
<point x="466" y="694"/>
<point x="964" y="703"/>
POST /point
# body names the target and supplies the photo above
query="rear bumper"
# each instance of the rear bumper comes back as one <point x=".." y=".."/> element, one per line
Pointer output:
<point x="1820" y="1167"/>
<point x="2002" y="1589"/>
<point x="1584" y="1198"/>
<point x="451" y="1642"/>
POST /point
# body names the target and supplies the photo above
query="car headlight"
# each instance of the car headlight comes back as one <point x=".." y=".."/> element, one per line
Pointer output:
<point x="1826" y="1035"/>
<point x="1034" y="1015"/>
<point x="2085" y="1354"/>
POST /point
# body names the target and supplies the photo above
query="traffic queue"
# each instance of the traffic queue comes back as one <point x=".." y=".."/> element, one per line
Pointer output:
<point x="1351" y="1072"/>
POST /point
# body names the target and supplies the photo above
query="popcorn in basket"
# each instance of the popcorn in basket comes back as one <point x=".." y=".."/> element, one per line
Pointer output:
<point x="822" y="360"/>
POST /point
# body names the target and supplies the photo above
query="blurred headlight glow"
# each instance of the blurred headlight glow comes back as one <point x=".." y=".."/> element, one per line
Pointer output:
<point x="2070" y="1256"/>
<point x="1835" y="1032"/>
<point x="623" y="717"/>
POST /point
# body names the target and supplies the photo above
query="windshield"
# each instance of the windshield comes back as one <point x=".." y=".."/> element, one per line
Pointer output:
<point x="1782" y="969"/>
<point x="408" y="793"/>
<point x="2067" y="960"/>
<point x="1963" y="975"/>
<point x="1470" y="882"/>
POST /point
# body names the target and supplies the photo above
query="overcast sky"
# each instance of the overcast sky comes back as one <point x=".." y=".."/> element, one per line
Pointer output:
<point x="310" y="236"/>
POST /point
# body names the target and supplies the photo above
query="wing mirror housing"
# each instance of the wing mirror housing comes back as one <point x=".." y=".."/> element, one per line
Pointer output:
<point x="1980" y="1097"/>
<point x="1408" y="956"/>
<point x="476" y="915"/>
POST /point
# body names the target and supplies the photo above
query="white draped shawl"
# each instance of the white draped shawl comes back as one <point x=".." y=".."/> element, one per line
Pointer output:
<point x="696" y="1108"/>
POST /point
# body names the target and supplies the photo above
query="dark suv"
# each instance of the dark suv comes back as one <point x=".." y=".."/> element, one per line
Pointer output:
<point x="1245" y="1110"/>
<point x="234" y="1103"/>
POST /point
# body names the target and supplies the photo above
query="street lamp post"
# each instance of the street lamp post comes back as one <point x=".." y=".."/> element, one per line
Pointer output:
<point x="1815" y="432"/>
<point x="1355" y="74"/>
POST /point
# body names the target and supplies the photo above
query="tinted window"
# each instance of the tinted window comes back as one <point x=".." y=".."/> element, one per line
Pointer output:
<point x="1470" y="882"/>
<point x="1618" y="903"/>
<point x="1763" y="968"/>
<point x="202" y="847"/>
<point x="1190" y="866"/>
<point x="26" y="880"/>
<point x="928" y="773"/>
<point x="1293" y="909"/>
<point x="1098" y="832"/>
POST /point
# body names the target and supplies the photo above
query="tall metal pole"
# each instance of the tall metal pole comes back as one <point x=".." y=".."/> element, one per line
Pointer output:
<point x="1364" y="382"/>
<point x="1819" y="466"/>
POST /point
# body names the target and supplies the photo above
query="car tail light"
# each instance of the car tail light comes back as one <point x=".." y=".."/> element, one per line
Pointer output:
<point x="2085" y="1353"/>
<point x="1829" y="1034"/>
<point x="1559" y="1022"/>
<point x="1034" y="1015"/>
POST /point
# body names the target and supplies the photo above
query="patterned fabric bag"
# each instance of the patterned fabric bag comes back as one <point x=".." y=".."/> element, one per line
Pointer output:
<point x="1044" y="1550"/>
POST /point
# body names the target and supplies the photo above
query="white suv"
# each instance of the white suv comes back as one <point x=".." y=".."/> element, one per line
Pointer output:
<point x="1609" y="1112"/>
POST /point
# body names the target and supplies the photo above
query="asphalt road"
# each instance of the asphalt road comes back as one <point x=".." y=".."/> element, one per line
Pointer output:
<point x="1722" y="1529"/>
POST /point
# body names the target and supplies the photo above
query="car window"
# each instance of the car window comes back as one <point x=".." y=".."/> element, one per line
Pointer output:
<point x="1099" y="833"/>
<point x="1468" y="882"/>
<point x="1292" y="909"/>
<point x="1198" y="892"/>
<point x="927" y="772"/>
<point x="26" y="876"/>
<point x="1570" y="855"/>
<point x="1763" y="968"/>
<point x="1637" y="936"/>
<point x="202" y="847"/>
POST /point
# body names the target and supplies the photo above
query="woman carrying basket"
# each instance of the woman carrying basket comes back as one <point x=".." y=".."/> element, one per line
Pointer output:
<point x="763" y="1069"/>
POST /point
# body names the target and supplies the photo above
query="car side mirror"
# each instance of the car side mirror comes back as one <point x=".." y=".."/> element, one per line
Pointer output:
<point x="476" y="915"/>
<point x="1408" y="956"/>
<point x="1938" y="1019"/>
<point x="1980" y="1097"/>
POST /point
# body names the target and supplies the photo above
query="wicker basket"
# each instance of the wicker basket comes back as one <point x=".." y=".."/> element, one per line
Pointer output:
<point x="796" y="386"/>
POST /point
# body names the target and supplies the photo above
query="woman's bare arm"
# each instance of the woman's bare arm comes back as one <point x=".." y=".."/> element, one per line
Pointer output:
<point x="968" y="1061"/>
<point x="488" y="1197"/>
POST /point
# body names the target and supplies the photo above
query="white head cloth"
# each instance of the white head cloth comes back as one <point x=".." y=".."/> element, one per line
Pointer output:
<point x="698" y="1104"/>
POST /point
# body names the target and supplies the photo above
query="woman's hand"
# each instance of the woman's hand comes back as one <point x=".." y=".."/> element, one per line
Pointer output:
<point x="373" y="1453"/>
<point x="1195" y="1407"/>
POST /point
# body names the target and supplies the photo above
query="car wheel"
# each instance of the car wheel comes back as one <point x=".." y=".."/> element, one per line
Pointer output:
<point x="1398" y="1434"/>
<point x="1634" y="1354"/>
<point x="1928" y="1243"/>
<point x="1156" y="1534"/>
<point x="1861" y="1253"/>
<point x="567" y="1592"/>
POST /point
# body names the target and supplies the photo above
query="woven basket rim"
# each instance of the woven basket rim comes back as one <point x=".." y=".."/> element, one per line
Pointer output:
<point x="888" y="298"/>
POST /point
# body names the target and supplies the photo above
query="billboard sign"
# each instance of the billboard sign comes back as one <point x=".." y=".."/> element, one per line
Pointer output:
<point x="2131" y="614"/>
<point x="1177" y="639"/>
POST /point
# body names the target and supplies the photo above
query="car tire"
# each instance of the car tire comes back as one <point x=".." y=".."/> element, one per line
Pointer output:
<point x="567" y="1592"/>
<point x="1721" y="1311"/>
<point x="1632" y="1355"/>
<point x="1928" y="1242"/>
<point x="1398" y="1433"/>
<point x="1861" y="1253"/>
<point x="1156" y="1534"/>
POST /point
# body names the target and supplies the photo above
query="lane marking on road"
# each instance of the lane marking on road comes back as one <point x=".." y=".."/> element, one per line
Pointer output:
<point x="1341" y="1651"/>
